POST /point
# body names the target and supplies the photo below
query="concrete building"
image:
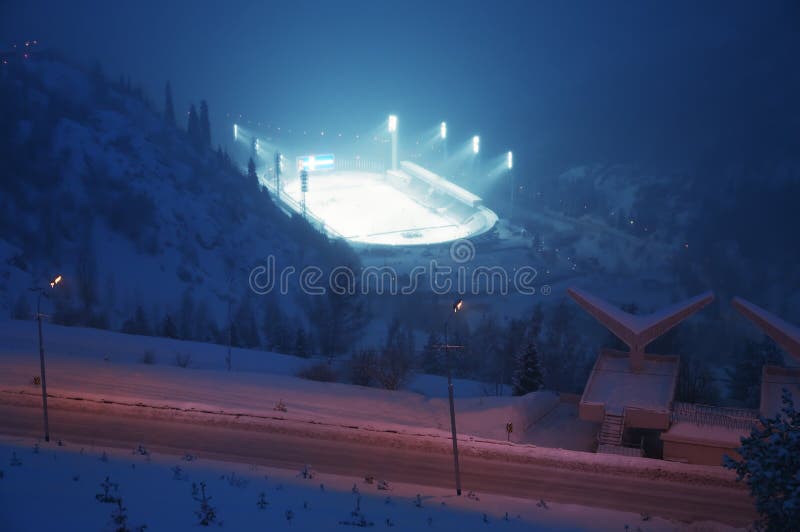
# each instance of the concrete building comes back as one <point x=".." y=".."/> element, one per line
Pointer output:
<point x="702" y="434"/>
<point x="634" y="389"/>
<point x="774" y="379"/>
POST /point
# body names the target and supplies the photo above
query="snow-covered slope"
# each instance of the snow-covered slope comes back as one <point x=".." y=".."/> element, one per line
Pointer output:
<point x="96" y="186"/>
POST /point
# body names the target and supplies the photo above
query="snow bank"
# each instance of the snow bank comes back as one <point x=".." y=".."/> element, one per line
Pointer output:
<point x="55" y="488"/>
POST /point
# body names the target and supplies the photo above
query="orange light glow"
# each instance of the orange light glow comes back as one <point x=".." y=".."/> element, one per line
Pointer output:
<point x="55" y="281"/>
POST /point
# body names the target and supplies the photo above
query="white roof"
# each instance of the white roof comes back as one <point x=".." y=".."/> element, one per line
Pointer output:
<point x="785" y="334"/>
<point x="440" y="182"/>
<point x="638" y="330"/>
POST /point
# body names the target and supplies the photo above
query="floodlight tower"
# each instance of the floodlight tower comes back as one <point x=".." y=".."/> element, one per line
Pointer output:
<point x="443" y="136"/>
<point x="393" y="131"/>
<point x="278" y="159"/>
<point x="304" y="188"/>
<point x="476" y="148"/>
<point x="510" y="167"/>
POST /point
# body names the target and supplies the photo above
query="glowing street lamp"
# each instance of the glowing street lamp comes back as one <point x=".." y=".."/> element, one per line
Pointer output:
<point x="393" y="131"/>
<point x="235" y="132"/>
<point x="476" y="144"/>
<point x="459" y="303"/>
<point x="41" y="291"/>
<point x="509" y="160"/>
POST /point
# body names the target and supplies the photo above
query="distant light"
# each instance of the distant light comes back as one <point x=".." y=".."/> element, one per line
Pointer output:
<point x="392" y="123"/>
<point x="458" y="304"/>
<point x="510" y="160"/>
<point x="235" y="132"/>
<point x="55" y="281"/>
<point x="443" y="130"/>
<point x="476" y="144"/>
<point x="257" y="146"/>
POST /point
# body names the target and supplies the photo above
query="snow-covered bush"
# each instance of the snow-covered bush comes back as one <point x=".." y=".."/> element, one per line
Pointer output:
<point x="182" y="360"/>
<point x="206" y="514"/>
<point x="149" y="357"/>
<point x="770" y="465"/>
<point x="320" y="372"/>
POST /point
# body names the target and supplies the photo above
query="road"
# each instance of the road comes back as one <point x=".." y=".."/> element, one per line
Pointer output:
<point x="291" y="447"/>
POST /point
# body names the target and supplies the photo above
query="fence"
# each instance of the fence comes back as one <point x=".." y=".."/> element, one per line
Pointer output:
<point x="732" y="418"/>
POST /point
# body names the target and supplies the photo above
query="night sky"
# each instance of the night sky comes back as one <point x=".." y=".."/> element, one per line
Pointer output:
<point x="559" y="82"/>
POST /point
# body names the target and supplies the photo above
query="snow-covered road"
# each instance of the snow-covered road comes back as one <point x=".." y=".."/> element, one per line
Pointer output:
<point x="397" y="457"/>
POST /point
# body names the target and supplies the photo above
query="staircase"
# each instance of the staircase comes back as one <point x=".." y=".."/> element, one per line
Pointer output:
<point x="611" y="430"/>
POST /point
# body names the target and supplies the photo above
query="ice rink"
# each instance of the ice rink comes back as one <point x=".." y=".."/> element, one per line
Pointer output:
<point x="362" y="207"/>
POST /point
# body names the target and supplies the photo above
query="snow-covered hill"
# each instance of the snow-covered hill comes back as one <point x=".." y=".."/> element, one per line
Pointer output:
<point x="98" y="187"/>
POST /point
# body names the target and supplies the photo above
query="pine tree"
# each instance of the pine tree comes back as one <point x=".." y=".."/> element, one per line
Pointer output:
<point x="528" y="374"/>
<point x="169" y="109"/>
<point x="251" y="170"/>
<point x="193" y="128"/>
<point x="204" y="138"/>
<point x="432" y="356"/>
<point x="301" y="347"/>
<point x="770" y="465"/>
<point x="168" y="328"/>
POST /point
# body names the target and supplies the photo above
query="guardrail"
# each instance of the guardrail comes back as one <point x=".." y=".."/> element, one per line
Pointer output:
<point x="732" y="418"/>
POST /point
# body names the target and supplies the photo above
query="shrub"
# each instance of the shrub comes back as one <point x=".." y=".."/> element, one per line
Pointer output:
<point x="363" y="366"/>
<point x="149" y="357"/>
<point x="182" y="360"/>
<point x="320" y="372"/>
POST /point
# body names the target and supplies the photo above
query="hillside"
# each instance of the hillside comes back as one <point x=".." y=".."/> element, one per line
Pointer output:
<point x="152" y="233"/>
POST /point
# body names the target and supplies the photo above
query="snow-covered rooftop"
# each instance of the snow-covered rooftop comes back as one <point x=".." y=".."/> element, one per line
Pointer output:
<point x="638" y="330"/>
<point x="717" y="435"/>
<point x="615" y="385"/>
<point x="785" y="334"/>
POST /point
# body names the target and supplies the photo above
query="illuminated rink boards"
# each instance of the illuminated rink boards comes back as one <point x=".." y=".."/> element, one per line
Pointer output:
<point x="362" y="207"/>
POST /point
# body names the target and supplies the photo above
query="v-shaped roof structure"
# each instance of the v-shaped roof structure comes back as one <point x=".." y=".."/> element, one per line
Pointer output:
<point x="785" y="334"/>
<point x="636" y="331"/>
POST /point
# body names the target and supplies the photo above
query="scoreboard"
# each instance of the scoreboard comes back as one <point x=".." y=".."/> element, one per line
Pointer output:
<point x="316" y="163"/>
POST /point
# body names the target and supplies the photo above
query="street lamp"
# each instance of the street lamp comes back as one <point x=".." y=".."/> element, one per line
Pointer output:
<point x="235" y="132"/>
<point x="393" y="131"/>
<point x="476" y="144"/>
<point x="40" y="291"/>
<point x="278" y="169"/>
<point x="456" y="307"/>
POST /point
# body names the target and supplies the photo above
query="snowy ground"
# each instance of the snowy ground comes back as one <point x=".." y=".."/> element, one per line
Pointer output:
<point x="103" y="365"/>
<point x="47" y="487"/>
<point x="102" y="369"/>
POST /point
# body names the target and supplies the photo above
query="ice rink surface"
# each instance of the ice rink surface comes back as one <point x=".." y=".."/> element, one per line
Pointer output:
<point x="362" y="207"/>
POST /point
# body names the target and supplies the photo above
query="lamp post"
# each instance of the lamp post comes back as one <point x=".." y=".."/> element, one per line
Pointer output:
<point x="456" y="307"/>
<point x="393" y="131"/>
<point x="278" y="170"/>
<point x="40" y="291"/>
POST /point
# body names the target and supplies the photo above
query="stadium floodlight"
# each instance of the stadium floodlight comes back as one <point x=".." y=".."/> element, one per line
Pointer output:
<point x="235" y="132"/>
<point x="443" y="130"/>
<point x="393" y="131"/>
<point x="509" y="160"/>
<point x="476" y="144"/>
